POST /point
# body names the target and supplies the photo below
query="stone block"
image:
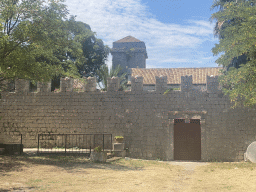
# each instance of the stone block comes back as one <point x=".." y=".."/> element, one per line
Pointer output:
<point x="91" y="84"/>
<point x="118" y="146"/>
<point x="212" y="85"/>
<point x="12" y="149"/>
<point x="98" y="156"/>
<point x="186" y="83"/>
<point x="120" y="153"/>
<point x="21" y="86"/>
<point x="161" y="84"/>
<point x="66" y="84"/>
<point x="137" y="84"/>
<point x="113" y="84"/>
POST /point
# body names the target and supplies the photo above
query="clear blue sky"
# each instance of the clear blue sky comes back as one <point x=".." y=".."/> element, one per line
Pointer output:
<point x="177" y="33"/>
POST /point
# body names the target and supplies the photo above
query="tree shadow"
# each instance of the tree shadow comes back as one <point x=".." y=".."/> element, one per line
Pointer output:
<point x="19" y="189"/>
<point x="70" y="163"/>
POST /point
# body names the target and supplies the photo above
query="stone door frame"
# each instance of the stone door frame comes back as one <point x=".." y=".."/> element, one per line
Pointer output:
<point x="187" y="115"/>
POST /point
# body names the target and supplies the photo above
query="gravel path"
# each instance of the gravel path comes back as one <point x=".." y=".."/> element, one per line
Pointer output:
<point x="186" y="174"/>
<point x="188" y="165"/>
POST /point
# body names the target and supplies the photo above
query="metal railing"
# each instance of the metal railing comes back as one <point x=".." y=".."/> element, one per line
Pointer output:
<point x="73" y="143"/>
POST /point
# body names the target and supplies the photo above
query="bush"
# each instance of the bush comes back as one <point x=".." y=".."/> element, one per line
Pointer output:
<point x="98" y="149"/>
<point x="119" y="137"/>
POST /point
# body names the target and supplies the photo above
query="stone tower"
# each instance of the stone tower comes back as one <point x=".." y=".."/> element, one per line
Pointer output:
<point x="129" y="52"/>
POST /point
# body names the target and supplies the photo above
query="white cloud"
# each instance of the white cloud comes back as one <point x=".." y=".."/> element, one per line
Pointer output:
<point x="115" y="19"/>
<point x="203" y="23"/>
<point x="207" y="58"/>
<point x="153" y="66"/>
<point x="175" y="60"/>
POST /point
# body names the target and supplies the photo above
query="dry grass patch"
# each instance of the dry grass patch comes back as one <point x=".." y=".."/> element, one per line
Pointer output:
<point x="224" y="176"/>
<point x="60" y="173"/>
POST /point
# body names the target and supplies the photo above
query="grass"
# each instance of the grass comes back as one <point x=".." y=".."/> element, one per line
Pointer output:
<point x="225" y="176"/>
<point x="141" y="164"/>
<point x="77" y="173"/>
<point x="231" y="165"/>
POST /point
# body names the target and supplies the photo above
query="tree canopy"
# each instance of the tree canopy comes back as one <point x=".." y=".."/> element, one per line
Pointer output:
<point x="93" y="49"/>
<point x="219" y="4"/>
<point x="238" y="39"/>
<point x="38" y="42"/>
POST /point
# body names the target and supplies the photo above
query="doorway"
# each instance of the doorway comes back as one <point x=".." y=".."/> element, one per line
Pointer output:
<point x="187" y="139"/>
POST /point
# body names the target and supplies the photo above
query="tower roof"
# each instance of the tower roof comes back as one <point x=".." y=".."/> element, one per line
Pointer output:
<point x="128" y="39"/>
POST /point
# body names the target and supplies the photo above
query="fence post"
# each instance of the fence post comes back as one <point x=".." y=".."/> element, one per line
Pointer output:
<point x="38" y="143"/>
<point x="21" y="147"/>
<point x="103" y="142"/>
<point x="111" y="143"/>
<point x="65" y="143"/>
<point x="94" y="141"/>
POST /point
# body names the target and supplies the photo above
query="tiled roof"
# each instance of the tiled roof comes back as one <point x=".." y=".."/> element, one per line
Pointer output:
<point x="174" y="74"/>
<point x="128" y="39"/>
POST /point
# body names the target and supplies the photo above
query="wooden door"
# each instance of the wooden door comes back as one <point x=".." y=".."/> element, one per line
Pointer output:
<point x="187" y="140"/>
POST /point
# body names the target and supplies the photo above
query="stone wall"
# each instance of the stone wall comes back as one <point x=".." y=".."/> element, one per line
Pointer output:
<point x="145" y="119"/>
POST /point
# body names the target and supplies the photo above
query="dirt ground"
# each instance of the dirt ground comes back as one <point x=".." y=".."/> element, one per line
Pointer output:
<point x="60" y="173"/>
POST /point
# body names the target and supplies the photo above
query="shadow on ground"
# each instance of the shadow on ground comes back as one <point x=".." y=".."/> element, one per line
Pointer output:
<point x="19" y="189"/>
<point x="17" y="163"/>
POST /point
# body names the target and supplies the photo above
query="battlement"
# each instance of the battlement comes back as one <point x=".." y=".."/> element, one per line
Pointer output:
<point x="66" y="84"/>
<point x="21" y="86"/>
<point x="161" y="83"/>
<point x="113" y="84"/>
<point x="137" y="84"/>
<point x="186" y="83"/>
<point x="91" y="84"/>
<point x="212" y="84"/>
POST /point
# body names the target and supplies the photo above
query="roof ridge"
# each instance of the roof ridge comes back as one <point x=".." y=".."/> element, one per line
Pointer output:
<point x="180" y="68"/>
<point x="128" y="39"/>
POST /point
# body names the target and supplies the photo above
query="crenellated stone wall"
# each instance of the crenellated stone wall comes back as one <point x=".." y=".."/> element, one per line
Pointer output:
<point x="145" y="119"/>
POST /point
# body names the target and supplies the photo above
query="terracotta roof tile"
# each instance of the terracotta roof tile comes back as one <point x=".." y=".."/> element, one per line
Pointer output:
<point x="174" y="74"/>
<point x="128" y="39"/>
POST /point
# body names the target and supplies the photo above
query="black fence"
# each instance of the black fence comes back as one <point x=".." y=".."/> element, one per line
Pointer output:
<point x="73" y="143"/>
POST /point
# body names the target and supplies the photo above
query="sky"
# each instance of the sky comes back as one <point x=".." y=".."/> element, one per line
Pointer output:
<point x="177" y="33"/>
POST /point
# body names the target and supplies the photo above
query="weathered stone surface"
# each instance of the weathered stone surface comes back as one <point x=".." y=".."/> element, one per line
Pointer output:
<point x="118" y="146"/>
<point x="98" y="156"/>
<point x="145" y="119"/>
<point x="251" y="153"/>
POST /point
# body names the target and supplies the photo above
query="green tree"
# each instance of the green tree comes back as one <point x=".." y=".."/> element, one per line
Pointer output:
<point x="94" y="51"/>
<point x="84" y="43"/>
<point x="34" y="40"/>
<point x="104" y="73"/>
<point x="219" y="4"/>
<point x="39" y="43"/>
<point x="239" y="38"/>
